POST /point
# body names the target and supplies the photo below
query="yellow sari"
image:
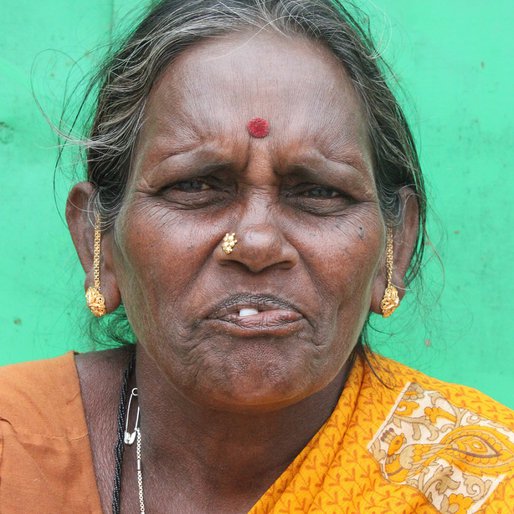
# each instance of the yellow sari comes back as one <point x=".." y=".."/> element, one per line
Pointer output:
<point x="407" y="444"/>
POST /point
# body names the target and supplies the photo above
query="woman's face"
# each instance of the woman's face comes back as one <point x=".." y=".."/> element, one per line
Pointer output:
<point x="276" y="320"/>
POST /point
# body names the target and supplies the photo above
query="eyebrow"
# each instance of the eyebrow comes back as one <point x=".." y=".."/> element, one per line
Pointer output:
<point x="198" y="161"/>
<point x="310" y="165"/>
<point x="312" y="162"/>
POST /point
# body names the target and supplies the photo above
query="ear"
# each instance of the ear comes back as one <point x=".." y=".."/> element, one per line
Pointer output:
<point x="405" y="237"/>
<point x="78" y="217"/>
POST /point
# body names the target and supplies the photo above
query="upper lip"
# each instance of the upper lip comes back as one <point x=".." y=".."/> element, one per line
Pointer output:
<point x="261" y="302"/>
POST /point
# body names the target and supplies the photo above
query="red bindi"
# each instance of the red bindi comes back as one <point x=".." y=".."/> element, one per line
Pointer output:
<point x="258" y="127"/>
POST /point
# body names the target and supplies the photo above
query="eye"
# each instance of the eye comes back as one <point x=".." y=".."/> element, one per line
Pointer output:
<point x="320" y="192"/>
<point x="317" y="199"/>
<point x="191" y="186"/>
<point x="196" y="193"/>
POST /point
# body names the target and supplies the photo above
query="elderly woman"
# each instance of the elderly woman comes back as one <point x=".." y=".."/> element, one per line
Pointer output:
<point x="252" y="195"/>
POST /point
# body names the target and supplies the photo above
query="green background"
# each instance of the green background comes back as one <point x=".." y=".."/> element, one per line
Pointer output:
<point x="453" y="60"/>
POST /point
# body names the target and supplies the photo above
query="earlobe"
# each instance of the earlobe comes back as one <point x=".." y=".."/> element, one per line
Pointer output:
<point x="79" y="218"/>
<point x="405" y="235"/>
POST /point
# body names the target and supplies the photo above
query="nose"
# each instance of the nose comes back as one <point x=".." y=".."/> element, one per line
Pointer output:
<point x="259" y="247"/>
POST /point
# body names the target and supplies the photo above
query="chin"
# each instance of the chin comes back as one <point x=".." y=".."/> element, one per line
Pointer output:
<point x="258" y="384"/>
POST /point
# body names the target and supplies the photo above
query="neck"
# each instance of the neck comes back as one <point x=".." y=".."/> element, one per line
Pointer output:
<point x="228" y="452"/>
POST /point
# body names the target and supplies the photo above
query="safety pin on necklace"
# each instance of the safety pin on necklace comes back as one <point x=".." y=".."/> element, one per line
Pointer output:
<point x="130" y="437"/>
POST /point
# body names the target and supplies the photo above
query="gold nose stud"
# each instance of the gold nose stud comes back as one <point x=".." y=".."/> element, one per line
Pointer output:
<point x="228" y="243"/>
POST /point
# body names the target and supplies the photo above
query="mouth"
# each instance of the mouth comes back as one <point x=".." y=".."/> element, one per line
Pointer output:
<point x="256" y="314"/>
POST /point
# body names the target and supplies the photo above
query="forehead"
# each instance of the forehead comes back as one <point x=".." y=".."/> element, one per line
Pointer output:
<point x="216" y="86"/>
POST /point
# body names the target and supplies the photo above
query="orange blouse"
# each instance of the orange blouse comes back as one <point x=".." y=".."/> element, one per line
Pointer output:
<point x="405" y="443"/>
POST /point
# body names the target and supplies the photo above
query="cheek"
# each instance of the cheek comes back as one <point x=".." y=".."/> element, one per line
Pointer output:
<point x="157" y="255"/>
<point x="342" y="259"/>
<point x="345" y="258"/>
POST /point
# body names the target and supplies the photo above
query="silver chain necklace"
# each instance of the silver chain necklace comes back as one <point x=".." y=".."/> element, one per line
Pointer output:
<point x="129" y="439"/>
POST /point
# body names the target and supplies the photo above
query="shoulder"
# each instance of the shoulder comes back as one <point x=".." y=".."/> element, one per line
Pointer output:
<point x="45" y="456"/>
<point x="410" y="385"/>
<point x="451" y="442"/>
<point x="41" y="396"/>
<point x="49" y="397"/>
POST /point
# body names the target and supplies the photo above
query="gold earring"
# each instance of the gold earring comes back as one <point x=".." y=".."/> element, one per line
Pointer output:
<point x="94" y="298"/>
<point x="391" y="299"/>
<point x="228" y="243"/>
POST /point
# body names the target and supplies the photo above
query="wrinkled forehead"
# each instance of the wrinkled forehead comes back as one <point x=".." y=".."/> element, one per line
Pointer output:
<point x="297" y="85"/>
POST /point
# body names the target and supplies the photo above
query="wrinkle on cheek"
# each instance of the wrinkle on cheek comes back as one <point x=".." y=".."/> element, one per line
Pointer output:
<point x="356" y="238"/>
<point x="134" y="250"/>
<point x="159" y="218"/>
<point x="148" y="216"/>
<point x="363" y="224"/>
<point x="199" y="358"/>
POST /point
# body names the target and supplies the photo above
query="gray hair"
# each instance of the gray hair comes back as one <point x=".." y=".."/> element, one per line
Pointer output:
<point x="124" y="82"/>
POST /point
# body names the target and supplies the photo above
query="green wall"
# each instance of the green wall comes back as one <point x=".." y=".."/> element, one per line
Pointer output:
<point x="453" y="60"/>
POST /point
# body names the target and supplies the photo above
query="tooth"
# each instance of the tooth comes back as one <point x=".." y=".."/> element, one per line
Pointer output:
<point x="247" y="312"/>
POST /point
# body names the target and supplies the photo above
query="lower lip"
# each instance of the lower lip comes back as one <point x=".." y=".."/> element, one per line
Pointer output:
<point x="273" y="322"/>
